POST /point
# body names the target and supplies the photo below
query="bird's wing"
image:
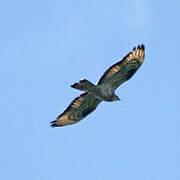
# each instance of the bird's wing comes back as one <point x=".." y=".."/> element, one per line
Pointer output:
<point x="79" y="108"/>
<point x="124" y="69"/>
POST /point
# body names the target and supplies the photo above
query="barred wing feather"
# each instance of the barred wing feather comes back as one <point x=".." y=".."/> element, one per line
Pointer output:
<point x="123" y="70"/>
<point x="79" y="108"/>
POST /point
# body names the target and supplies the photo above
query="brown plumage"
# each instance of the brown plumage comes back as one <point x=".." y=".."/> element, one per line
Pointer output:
<point x="87" y="102"/>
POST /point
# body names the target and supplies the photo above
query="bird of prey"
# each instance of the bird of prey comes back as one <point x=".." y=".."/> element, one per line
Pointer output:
<point x="113" y="77"/>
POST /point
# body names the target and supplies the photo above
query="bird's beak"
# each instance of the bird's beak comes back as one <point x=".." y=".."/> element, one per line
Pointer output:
<point x="119" y="99"/>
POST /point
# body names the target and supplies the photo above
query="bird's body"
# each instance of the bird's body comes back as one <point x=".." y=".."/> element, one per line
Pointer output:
<point x="105" y="94"/>
<point x="103" y="91"/>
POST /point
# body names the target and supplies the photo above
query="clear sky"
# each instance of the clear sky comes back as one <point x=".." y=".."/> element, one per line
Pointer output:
<point x="48" y="45"/>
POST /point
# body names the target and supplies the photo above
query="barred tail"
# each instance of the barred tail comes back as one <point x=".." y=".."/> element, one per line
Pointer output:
<point x="84" y="85"/>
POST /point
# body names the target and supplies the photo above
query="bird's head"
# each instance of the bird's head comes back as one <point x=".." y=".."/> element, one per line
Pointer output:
<point x="116" y="98"/>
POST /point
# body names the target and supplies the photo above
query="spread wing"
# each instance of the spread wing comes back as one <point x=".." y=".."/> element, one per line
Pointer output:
<point x="124" y="69"/>
<point x="79" y="108"/>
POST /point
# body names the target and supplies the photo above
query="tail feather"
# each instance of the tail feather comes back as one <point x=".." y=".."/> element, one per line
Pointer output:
<point x="84" y="85"/>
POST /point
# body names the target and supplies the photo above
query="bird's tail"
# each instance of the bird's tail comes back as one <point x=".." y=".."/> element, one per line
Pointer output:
<point x="84" y="85"/>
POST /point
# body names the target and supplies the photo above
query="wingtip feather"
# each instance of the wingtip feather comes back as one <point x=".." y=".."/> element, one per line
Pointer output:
<point x="74" y="85"/>
<point x="53" y="124"/>
<point x="142" y="46"/>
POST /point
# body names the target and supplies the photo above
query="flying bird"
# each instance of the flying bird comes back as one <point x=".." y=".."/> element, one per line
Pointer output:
<point x="113" y="77"/>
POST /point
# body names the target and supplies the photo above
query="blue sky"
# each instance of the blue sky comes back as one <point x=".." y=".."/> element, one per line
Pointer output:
<point x="48" y="45"/>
